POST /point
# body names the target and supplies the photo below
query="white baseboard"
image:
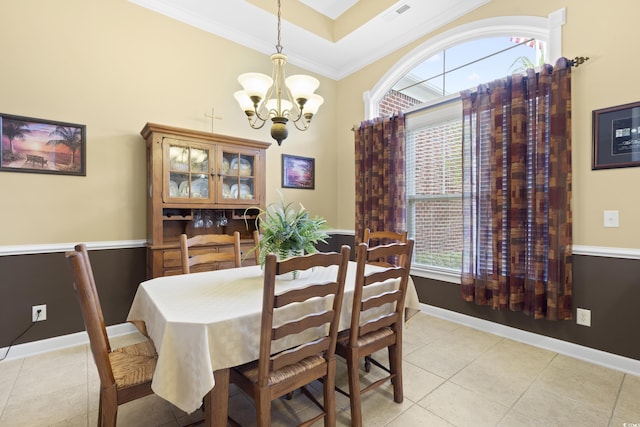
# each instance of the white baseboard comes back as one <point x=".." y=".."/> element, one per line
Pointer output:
<point x="58" y="343"/>
<point x="598" y="357"/>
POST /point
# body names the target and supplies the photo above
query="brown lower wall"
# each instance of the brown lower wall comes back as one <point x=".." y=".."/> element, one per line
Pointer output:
<point x="609" y="287"/>
<point x="27" y="280"/>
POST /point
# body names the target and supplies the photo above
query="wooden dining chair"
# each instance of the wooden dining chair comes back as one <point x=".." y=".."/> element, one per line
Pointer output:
<point x="383" y="237"/>
<point x="314" y="310"/>
<point x="125" y="373"/>
<point x="217" y="250"/>
<point x="376" y="321"/>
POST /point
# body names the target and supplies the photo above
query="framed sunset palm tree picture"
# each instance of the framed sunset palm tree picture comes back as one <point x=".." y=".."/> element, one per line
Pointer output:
<point x="42" y="146"/>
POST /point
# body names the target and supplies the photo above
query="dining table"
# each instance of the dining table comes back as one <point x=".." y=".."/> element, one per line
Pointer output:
<point x="202" y="324"/>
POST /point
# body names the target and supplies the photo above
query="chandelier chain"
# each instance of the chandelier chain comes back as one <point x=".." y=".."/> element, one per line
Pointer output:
<point x="279" y="46"/>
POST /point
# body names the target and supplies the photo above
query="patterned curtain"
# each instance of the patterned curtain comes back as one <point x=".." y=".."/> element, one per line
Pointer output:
<point x="380" y="190"/>
<point x="517" y="193"/>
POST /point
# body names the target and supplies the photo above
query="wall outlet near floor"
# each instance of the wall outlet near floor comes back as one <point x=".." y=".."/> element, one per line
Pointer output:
<point x="43" y="313"/>
<point x="583" y="317"/>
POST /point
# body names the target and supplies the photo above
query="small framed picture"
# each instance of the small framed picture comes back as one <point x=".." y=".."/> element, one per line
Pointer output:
<point x="42" y="146"/>
<point x="298" y="172"/>
<point x="616" y="137"/>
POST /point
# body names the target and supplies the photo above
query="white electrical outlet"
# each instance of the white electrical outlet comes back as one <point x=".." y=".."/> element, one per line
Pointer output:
<point x="43" y="313"/>
<point x="583" y="317"/>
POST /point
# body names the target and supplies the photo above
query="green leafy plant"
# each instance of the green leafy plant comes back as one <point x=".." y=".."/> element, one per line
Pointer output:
<point x="286" y="231"/>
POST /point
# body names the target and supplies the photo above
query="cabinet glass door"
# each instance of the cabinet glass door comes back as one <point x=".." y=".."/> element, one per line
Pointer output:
<point x="238" y="172"/>
<point x="188" y="173"/>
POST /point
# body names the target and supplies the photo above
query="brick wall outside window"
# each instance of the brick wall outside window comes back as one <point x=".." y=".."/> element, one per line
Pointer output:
<point x="434" y="186"/>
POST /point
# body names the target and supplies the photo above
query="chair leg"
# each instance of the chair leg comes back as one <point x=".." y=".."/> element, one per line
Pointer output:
<point x="354" y="390"/>
<point x="108" y="411"/>
<point x="328" y="385"/>
<point x="395" y="365"/>
<point x="263" y="409"/>
<point x="100" y="422"/>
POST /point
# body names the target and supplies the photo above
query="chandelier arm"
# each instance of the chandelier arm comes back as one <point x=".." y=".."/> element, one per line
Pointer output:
<point x="255" y="120"/>
<point x="305" y="124"/>
<point x="258" y="116"/>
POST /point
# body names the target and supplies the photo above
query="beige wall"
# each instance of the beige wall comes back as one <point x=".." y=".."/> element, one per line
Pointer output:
<point x="115" y="66"/>
<point x="605" y="34"/>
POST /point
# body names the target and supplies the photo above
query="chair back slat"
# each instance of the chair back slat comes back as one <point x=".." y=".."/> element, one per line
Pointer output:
<point x="381" y="299"/>
<point x="215" y="246"/>
<point x="300" y="325"/>
<point x="289" y="357"/>
<point x="379" y="323"/>
<point x="384" y="237"/>
<point x="305" y="262"/>
<point x="391" y="272"/>
<point x="303" y="294"/>
<point x="321" y="301"/>
<point x="92" y="317"/>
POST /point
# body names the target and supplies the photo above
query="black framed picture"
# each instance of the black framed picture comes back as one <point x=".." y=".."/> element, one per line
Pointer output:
<point x="616" y="137"/>
<point x="42" y="146"/>
<point x="298" y="172"/>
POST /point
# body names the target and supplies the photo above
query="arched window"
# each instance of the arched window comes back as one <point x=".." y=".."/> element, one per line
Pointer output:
<point x="425" y="85"/>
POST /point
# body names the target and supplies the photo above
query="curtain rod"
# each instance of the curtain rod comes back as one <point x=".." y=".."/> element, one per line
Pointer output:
<point x="575" y="63"/>
<point x="357" y="127"/>
<point x="578" y="60"/>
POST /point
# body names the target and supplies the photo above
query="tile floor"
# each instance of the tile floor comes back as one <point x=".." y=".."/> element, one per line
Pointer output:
<point x="453" y="376"/>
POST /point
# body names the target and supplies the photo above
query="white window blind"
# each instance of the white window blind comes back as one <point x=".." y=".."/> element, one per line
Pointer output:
<point x="434" y="184"/>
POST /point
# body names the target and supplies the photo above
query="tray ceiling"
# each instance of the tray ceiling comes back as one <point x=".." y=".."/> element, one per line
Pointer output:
<point x="333" y="38"/>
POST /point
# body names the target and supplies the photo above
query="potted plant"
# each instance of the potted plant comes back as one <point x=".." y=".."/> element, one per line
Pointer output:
<point x="288" y="232"/>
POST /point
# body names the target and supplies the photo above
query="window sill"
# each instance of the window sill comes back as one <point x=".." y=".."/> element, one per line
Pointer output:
<point x="431" y="273"/>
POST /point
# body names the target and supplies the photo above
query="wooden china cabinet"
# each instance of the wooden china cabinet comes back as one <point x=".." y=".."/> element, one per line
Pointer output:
<point x="199" y="183"/>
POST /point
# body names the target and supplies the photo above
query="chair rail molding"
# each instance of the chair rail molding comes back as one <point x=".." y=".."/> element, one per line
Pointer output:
<point x="603" y="251"/>
<point x="64" y="247"/>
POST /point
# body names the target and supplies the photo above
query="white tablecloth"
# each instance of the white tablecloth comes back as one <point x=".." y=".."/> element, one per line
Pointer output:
<point x="202" y="322"/>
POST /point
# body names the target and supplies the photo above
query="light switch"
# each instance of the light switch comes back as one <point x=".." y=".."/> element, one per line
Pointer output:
<point x="611" y="219"/>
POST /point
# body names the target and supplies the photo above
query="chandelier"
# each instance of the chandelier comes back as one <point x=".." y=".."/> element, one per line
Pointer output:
<point x="278" y="97"/>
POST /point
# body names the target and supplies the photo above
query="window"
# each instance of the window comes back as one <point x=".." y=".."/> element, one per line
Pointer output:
<point x="428" y="94"/>
<point x="434" y="185"/>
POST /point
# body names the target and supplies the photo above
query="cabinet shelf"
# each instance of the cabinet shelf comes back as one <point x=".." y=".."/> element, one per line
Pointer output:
<point x="240" y="214"/>
<point x="177" y="218"/>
